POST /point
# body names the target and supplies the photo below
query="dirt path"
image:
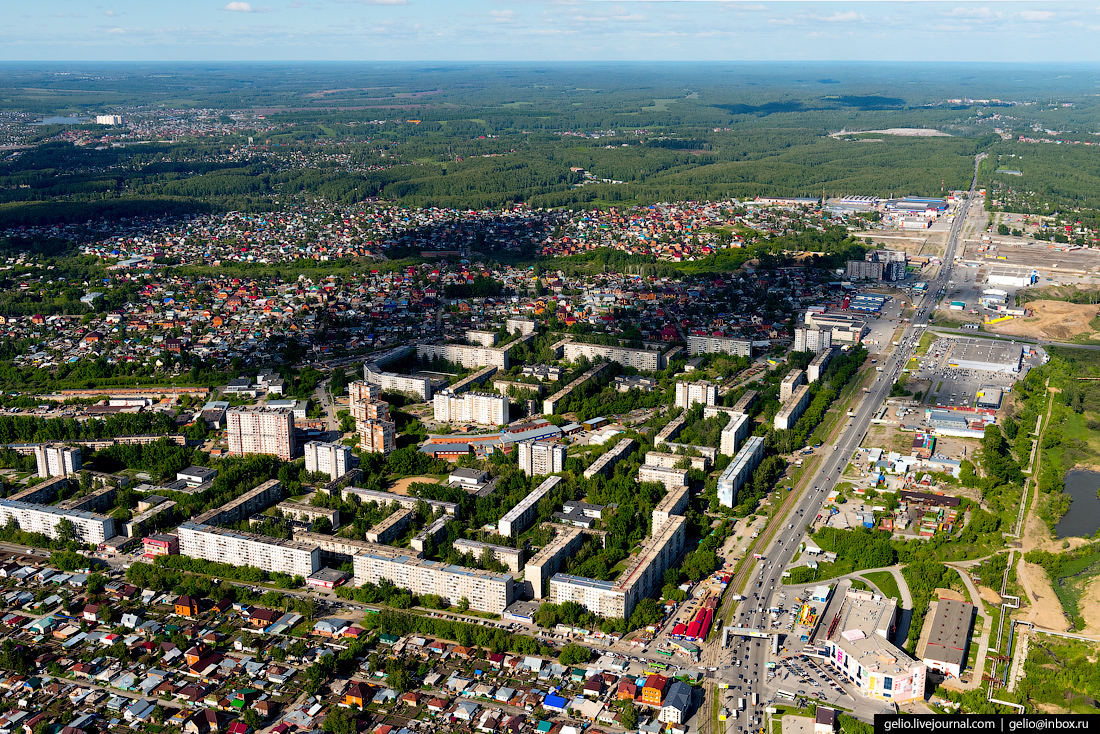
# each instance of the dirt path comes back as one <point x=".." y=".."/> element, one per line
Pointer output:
<point x="401" y="486"/>
<point x="1043" y="608"/>
<point x="1057" y="320"/>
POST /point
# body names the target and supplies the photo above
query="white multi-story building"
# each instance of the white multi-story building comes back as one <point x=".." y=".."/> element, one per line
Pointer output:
<point x="32" y="518"/>
<point x="668" y="477"/>
<point x="739" y="470"/>
<point x="520" y="516"/>
<point x="377" y="436"/>
<point x="391" y="527"/>
<point x="673" y="503"/>
<point x="484" y="590"/>
<point x="467" y="356"/>
<point x="690" y="393"/>
<point x="523" y="326"/>
<point x="718" y="344"/>
<point x="549" y="559"/>
<point x="258" y="430"/>
<point x="333" y="459"/>
<point x="658" y="458"/>
<point x="55" y="460"/>
<point x="510" y="557"/>
<point x="793" y="379"/>
<point x="817" y="367"/>
<point x="598" y="597"/>
<point x="247" y="549"/>
<point x="640" y="359"/>
<point x="421" y="387"/>
<point x="308" y="513"/>
<point x="481" y="338"/>
<point x="734" y="433"/>
<point x="487" y="409"/>
<point x="812" y="339"/>
<point x="386" y="498"/>
<point x="108" y="119"/>
<point x="792" y="410"/>
<point x="606" y="462"/>
<point x="538" y="458"/>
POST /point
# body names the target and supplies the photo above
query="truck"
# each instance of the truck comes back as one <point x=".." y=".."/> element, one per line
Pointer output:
<point x="756" y="699"/>
<point x="740" y="704"/>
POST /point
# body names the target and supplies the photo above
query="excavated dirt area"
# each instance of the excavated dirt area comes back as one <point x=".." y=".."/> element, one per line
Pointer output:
<point x="1055" y="320"/>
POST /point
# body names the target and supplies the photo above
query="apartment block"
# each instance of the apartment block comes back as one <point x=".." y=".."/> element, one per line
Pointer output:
<point x="386" y="498"/>
<point x="812" y="339"/>
<point x="671" y="461"/>
<point x="736" y="431"/>
<point x="745" y="401"/>
<point x="248" y="504"/>
<point x="605" y="464"/>
<point x="247" y="549"/>
<point x="673" y="503"/>
<point x="435" y="531"/>
<point x="421" y="387"/>
<point x="525" y="327"/>
<point x="361" y="391"/>
<point x="510" y="557"/>
<point x="56" y="460"/>
<point x="467" y="356"/>
<point x="519" y="517"/>
<point x="482" y="408"/>
<point x="32" y="518"/>
<point x="668" y="477"/>
<point x="486" y="591"/>
<point x="136" y="525"/>
<point x="690" y="393"/>
<point x="640" y="359"/>
<point x="739" y="470"/>
<point x="550" y="559"/>
<point x="598" y="597"/>
<point x="792" y="410"/>
<point x="309" y="513"/>
<point x="817" y="367"/>
<point x="377" y="436"/>
<point x="793" y="379"/>
<point x="481" y="338"/>
<point x="390" y="528"/>
<point x="258" y="430"/>
<point x="719" y="345"/>
<point x="539" y="458"/>
<point x="333" y="459"/>
<point x="340" y="550"/>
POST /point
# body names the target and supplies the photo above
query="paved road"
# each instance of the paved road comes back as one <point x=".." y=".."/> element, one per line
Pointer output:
<point x="761" y="591"/>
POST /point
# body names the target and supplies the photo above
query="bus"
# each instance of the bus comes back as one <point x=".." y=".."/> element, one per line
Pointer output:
<point x="667" y="653"/>
<point x="784" y="694"/>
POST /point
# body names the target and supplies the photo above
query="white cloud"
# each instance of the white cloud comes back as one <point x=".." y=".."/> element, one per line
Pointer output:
<point x="502" y="16"/>
<point x="239" y="7"/>
<point x="850" y="17"/>
<point x="116" y="30"/>
<point x="982" y="12"/>
<point x="1036" y="15"/>
<point x="110" y="13"/>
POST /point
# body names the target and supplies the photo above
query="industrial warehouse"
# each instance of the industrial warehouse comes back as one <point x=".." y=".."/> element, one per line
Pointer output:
<point x="986" y="355"/>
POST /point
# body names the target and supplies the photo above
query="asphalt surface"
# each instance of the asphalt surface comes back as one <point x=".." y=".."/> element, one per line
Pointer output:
<point x="742" y="665"/>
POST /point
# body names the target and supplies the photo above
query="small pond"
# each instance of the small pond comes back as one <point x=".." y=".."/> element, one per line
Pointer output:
<point x="1083" y="518"/>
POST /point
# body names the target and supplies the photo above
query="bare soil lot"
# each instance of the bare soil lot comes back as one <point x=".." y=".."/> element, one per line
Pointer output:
<point x="1057" y="320"/>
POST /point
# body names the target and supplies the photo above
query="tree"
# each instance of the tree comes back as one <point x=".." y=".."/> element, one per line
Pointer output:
<point x="252" y="719"/>
<point x="629" y="718"/>
<point x="66" y="531"/>
<point x="299" y="648"/>
<point x="95" y="583"/>
<point x="463" y="604"/>
<point x="397" y="675"/>
<point x="573" y="654"/>
<point x="339" y="721"/>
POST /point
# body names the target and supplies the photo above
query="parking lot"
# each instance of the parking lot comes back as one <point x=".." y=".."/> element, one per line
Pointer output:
<point x="957" y="386"/>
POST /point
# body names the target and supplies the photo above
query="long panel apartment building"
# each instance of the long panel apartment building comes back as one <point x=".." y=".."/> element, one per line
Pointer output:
<point x="309" y="513"/>
<point x="486" y="591"/>
<point x="259" y="430"/>
<point x="249" y="503"/>
<point x="736" y="431"/>
<point x="605" y="463"/>
<point x="550" y="559"/>
<point x="673" y="503"/>
<point x="690" y="393"/>
<point x="519" y="517"/>
<point x="32" y="518"/>
<point x="817" y="367"/>
<point x="482" y="408"/>
<point x="333" y="459"/>
<point x="641" y="359"/>
<point x="466" y="355"/>
<point x="510" y="557"/>
<point x="385" y="498"/>
<point x="539" y="458"/>
<point x="247" y="549"/>
<point x="421" y="387"/>
<point x="669" y="478"/>
<point x="792" y="410"/>
<point x="642" y="576"/>
<point x="660" y="458"/>
<point x="791" y="380"/>
<point x="739" y="470"/>
<point x="719" y="345"/>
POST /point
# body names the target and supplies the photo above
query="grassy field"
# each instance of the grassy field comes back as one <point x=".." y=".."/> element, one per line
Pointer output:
<point x="885" y="582"/>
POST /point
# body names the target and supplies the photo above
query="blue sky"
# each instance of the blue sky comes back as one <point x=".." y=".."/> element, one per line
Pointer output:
<point x="548" y="30"/>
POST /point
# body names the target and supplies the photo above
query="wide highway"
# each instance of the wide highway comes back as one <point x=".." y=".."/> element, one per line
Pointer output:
<point x="742" y="665"/>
